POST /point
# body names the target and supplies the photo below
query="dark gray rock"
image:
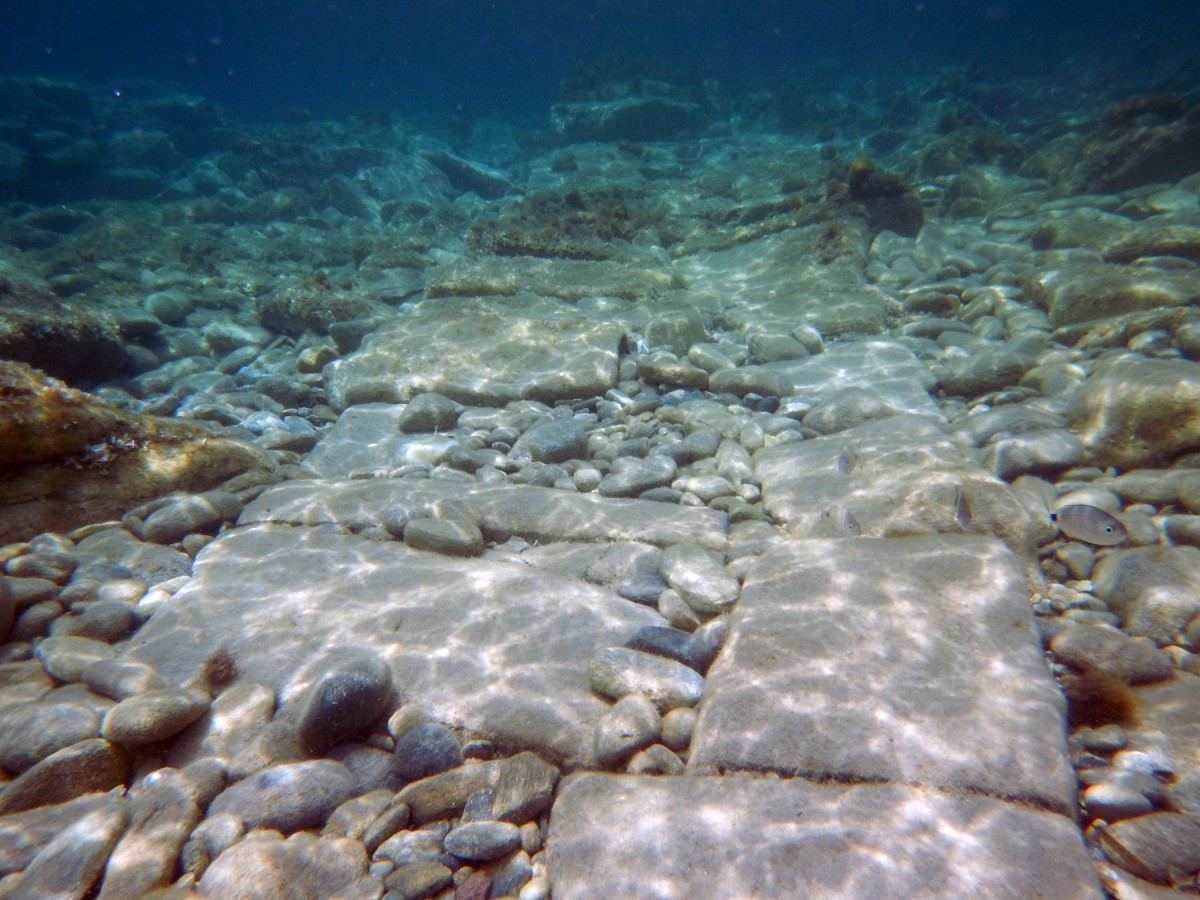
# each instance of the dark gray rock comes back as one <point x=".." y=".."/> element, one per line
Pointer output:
<point x="345" y="701"/>
<point x="428" y="412"/>
<point x="105" y="620"/>
<point x="553" y="441"/>
<point x="418" y="880"/>
<point x="671" y="643"/>
<point x="630" y="476"/>
<point x="453" y="537"/>
<point x="190" y="514"/>
<point x="481" y="841"/>
<point x="428" y="749"/>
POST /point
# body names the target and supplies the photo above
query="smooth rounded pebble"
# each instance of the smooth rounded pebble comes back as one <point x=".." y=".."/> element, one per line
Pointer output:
<point x="50" y="565"/>
<point x="553" y="441"/>
<point x="629" y="725"/>
<point x="1113" y="802"/>
<point x="88" y="767"/>
<point x="31" y="732"/>
<point x="190" y="514"/>
<point x="287" y="797"/>
<point x="452" y="537"/>
<point x="72" y="861"/>
<point x="153" y="716"/>
<point x="700" y="578"/>
<point x="344" y="701"/>
<point x="426" y="750"/>
<point x="264" y="865"/>
<point x="481" y="841"/>
<point x="617" y="672"/>
<point x="66" y="657"/>
<point x="428" y="412"/>
<point x="418" y="880"/>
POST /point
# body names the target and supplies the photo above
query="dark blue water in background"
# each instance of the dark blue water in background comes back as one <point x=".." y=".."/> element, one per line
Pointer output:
<point x="474" y="58"/>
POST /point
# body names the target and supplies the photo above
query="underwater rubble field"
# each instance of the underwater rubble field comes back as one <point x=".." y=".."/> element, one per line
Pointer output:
<point x="784" y="492"/>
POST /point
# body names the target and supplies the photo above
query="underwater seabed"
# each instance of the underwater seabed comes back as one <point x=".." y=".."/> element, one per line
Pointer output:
<point x="692" y="500"/>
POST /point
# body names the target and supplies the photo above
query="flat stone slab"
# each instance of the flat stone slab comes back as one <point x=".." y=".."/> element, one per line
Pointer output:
<point x="904" y="481"/>
<point x="886" y="368"/>
<point x="481" y="351"/>
<point x="911" y="660"/>
<point x="737" y="836"/>
<point x="496" y="648"/>
<point x="533" y="513"/>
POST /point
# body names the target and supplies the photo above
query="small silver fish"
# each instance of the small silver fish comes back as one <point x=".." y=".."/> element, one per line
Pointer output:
<point x="962" y="508"/>
<point x="843" y="521"/>
<point x="847" y="460"/>
<point x="1081" y="522"/>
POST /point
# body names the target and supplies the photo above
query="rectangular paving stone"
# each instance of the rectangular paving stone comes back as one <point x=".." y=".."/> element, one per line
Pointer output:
<point x="533" y="513"/>
<point x="743" y="837"/>
<point x="911" y="660"/>
<point x="496" y="648"/>
<point x="481" y="351"/>
<point x="905" y="480"/>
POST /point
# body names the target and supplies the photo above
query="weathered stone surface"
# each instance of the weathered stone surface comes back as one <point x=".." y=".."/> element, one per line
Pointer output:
<point x="744" y="837"/>
<point x="1080" y="290"/>
<point x="82" y="460"/>
<point x="886" y="368"/>
<point x="480" y="351"/>
<point x="865" y="660"/>
<point x="313" y="588"/>
<point x="265" y="865"/>
<point x="634" y="118"/>
<point x="536" y="514"/>
<point x="1135" y="412"/>
<point x="190" y="514"/>
<point x="907" y="472"/>
<point x="618" y="672"/>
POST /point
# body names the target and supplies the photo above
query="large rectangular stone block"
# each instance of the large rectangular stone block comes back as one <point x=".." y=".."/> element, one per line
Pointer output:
<point x="911" y="660"/>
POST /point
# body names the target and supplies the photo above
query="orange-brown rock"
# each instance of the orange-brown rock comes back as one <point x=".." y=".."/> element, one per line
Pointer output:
<point x="67" y="459"/>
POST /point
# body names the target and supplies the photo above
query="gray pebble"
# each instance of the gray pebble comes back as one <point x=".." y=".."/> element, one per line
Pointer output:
<point x="700" y="578"/>
<point x="630" y="476"/>
<point x="426" y="750"/>
<point x="1113" y="802"/>
<point x="345" y="699"/>
<point x="407" y="847"/>
<point x="66" y="657"/>
<point x="655" y="760"/>
<point x="481" y="841"/>
<point x="677" y="728"/>
<point x="188" y="514"/>
<point x="418" y="880"/>
<point x="672" y="644"/>
<point x="617" y="672"/>
<point x="119" y="679"/>
<point x="153" y="716"/>
<point x="553" y="441"/>
<point x="287" y="797"/>
<point x="104" y="620"/>
<point x="427" y="413"/>
<point x="629" y="725"/>
<point x="50" y="565"/>
<point x="452" y="537"/>
<point x="32" y="731"/>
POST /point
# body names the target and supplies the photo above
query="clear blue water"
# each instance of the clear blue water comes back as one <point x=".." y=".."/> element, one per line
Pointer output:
<point x="469" y="58"/>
